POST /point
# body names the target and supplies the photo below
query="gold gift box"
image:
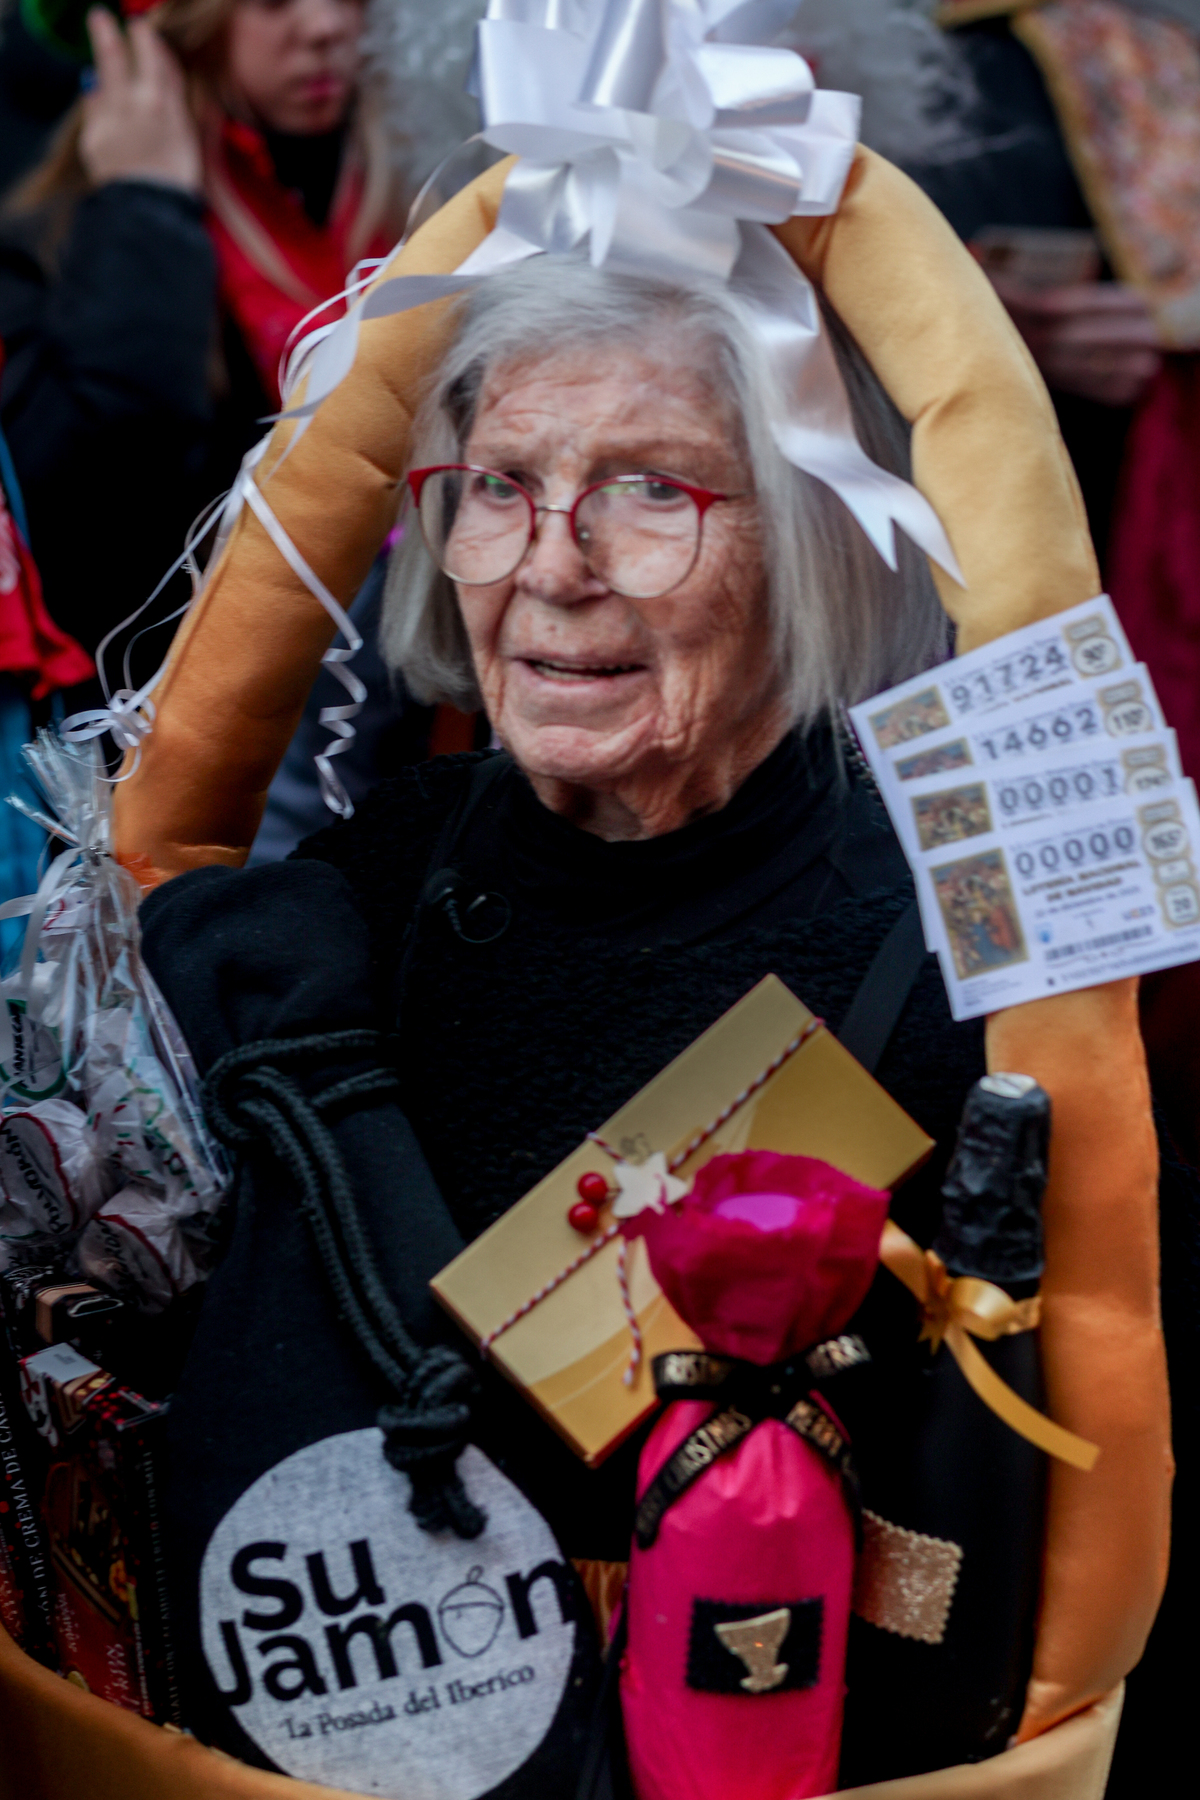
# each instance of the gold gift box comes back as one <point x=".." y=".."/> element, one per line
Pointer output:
<point x="569" y="1353"/>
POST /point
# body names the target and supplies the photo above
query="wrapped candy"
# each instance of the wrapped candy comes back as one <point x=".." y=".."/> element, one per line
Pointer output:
<point x="134" y="1248"/>
<point x="31" y="1062"/>
<point x="143" y="1135"/>
<point x="743" y="1559"/>
<point x="53" y="1174"/>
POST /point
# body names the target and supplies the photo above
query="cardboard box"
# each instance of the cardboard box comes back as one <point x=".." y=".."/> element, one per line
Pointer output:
<point x="569" y="1354"/>
<point x="26" y="1588"/>
<point x="100" y="1506"/>
<point x="27" y="1613"/>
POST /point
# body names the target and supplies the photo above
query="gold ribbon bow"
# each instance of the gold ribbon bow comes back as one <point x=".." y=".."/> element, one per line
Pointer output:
<point x="956" y="1309"/>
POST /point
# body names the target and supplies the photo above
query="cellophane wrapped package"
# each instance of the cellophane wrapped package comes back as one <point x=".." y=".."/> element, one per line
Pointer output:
<point x="742" y="1566"/>
<point x="106" y="1166"/>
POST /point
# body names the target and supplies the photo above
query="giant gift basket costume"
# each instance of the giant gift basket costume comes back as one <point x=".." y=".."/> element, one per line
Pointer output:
<point x="987" y="459"/>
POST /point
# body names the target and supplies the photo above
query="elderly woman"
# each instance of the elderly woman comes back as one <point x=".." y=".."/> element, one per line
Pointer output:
<point x="661" y="618"/>
<point x="606" y="550"/>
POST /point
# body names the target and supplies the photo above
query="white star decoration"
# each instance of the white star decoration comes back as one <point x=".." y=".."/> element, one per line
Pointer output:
<point x="646" y="1184"/>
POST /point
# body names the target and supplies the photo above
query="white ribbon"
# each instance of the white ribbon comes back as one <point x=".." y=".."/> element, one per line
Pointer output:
<point x="128" y="714"/>
<point x="337" y="718"/>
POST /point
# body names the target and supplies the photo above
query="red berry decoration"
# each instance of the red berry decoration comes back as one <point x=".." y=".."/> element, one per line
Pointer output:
<point x="593" y="1188"/>
<point x="584" y="1217"/>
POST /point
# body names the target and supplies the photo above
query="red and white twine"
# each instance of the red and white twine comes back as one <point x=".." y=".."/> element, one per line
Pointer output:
<point x="631" y="1318"/>
<point x="555" y="1281"/>
<point x="740" y="1100"/>
<point x="610" y="1232"/>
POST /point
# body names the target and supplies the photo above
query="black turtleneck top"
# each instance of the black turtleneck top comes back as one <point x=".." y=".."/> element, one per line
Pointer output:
<point x="780" y="849"/>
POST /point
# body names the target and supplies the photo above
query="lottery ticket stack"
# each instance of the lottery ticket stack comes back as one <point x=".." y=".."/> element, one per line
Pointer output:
<point x="1039" y="797"/>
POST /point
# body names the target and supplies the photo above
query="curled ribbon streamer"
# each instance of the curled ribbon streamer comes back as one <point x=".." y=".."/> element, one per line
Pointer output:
<point x="957" y="1309"/>
<point x="128" y="714"/>
<point x="337" y="718"/>
<point x="359" y="279"/>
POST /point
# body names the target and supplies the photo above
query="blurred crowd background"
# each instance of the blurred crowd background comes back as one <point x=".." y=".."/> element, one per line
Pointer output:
<point x="181" y="185"/>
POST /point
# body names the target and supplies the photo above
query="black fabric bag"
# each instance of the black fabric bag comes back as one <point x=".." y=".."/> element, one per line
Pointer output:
<point x="361" y="1596"/>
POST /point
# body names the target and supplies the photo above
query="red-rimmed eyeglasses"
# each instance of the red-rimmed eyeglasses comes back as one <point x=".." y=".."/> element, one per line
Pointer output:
<point x="640" y="534"/>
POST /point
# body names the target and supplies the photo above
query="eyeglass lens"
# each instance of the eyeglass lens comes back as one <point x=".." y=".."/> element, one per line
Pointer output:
<point x="640" y="536"/>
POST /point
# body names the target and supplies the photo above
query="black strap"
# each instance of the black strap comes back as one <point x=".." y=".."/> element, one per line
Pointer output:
<point x="481" y="779"/>
<point x="441" y="887"/>
<point x="883" y="991"/>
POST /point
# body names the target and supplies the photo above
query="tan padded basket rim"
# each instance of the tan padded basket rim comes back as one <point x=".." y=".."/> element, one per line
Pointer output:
<point x="59" y="1743"/>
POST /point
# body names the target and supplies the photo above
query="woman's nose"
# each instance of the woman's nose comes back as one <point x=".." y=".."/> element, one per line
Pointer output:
<point x="325" y="19"/>
<point x="553" y="568"/>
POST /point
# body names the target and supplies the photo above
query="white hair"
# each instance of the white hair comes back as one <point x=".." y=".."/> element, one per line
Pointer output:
<point x="844" y="625"/>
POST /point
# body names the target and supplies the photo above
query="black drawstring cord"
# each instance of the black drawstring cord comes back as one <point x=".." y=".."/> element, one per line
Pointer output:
<point x="251" y="1100"/>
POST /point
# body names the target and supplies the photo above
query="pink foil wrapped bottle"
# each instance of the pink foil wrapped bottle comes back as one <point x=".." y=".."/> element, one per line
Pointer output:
<point x="732" y="1680"/>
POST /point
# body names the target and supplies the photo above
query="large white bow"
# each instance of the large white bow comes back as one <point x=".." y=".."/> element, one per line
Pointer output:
<point x="653" y="129"/>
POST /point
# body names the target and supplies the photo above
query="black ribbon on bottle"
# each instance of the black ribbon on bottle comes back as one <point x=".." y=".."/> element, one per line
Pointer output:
<point x="745" y="1394"/>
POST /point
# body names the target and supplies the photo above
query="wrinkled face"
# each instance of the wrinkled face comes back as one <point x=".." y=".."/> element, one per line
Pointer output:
<point x="583" y="685"/>
<point x="294" y="62"/>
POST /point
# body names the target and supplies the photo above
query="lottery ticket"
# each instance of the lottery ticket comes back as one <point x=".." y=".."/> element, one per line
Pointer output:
<point x="1076" y="647"/>
<point x="1059" y="904"/>
<point x="1067" y="788"/>
<point x="1054" y="839"/>
<point x="1067" y="796"/>
<point x="1123" y="710"/>
<point x="1071" y="746"/>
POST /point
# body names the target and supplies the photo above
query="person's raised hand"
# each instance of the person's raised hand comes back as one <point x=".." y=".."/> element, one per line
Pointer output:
<point x="136" y="122"/>
<point x="1097" y="339"/>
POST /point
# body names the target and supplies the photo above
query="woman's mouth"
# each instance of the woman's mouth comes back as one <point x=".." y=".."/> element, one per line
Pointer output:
<point x="575" y="671"/>
<point x="322" y="87"/>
